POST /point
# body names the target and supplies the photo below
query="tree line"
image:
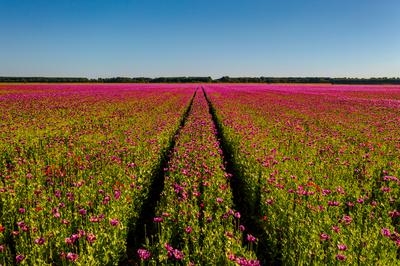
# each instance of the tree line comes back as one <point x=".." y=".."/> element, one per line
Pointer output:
<point x="225" y="79"/>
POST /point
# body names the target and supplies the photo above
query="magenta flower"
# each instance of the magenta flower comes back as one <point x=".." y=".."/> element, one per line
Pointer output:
<point x="114" y="222"/>
<point x="188" y="230"/>
<point x="72" y="256"/>
<point x="178" y="254"/>
<point x="324" y="236"/>
<point x="341" y="257"/>
<point x="40" y="241"/>
<point x="347" y="219"/>
<point x="342" y="247"/>
<point x="219" y="200"/>
<point x="143" y="254"/>
<point x="158" y="219"/>
<point x="82" y="212"/>
<point x="386" y="232"/>
<point x="251" y="238"/>
<point x="19" y="258"/>
<point x="91" y="238"/>
<point x="117" y="194"/>
<point x="336" y="229"/>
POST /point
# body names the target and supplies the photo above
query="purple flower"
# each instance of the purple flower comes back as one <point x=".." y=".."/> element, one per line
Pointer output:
<point x="386" y="232"/>
<point x="72" y="256"/>
<point x="40" y="241"/>
<point x="324" y="236"/>
<point x="251" y="238"/>
<point x="117" y="194"/>
<point x="333" y="203"/>
<point x="75" y="237"/>
<point x="347" y="219"/>
<point x="143" y="254"/>
<point x="21" y="224"/>
<point x="114" y="222"/>
<point x="19" y="258"/>
<point x="178" y="254"/>
<point x="188" y="230"/>
<point x="168" y="247"/>
<point x="82" y="212"/>
<point x="158" y="219"/>
<point x="336" y="229"/>
<point x="340" y="257"/>
<point x="91" y="238"/>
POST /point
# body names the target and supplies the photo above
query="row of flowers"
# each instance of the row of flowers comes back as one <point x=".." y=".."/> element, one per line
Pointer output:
<point x="195" y="222"/>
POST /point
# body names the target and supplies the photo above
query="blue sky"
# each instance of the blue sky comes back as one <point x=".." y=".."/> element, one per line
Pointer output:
<point x="103" y="38"/>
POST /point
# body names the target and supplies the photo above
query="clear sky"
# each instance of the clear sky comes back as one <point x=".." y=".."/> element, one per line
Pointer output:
<point x="104" y="38"/>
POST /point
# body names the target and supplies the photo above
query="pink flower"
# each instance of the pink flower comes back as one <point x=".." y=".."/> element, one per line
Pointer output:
<point x="342" y="247"/>
<point x="91" y="238"/>
<point x="19" y="258"/>
<point x="251" y="238"/>
<point x="40" y="241"/>
<point x="347" y="219"/>
<point x="117" y="194"/>
<point x="333" y="203"/>
<point x="341" y="257"/>
<point x="386" y="232"/>
<point x="324" y="236"/>
<point x="72" y="256"/>
<point x="178" y="254"/>
<point x="143" y="254"/>
<point x="188" y="230"/>
<point x="158" y="219"/>
<point x="114" y="222"/>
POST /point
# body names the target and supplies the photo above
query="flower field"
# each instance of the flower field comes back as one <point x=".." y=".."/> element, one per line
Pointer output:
<point x="318" y="168"/>
<point x="129" y="174"/>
